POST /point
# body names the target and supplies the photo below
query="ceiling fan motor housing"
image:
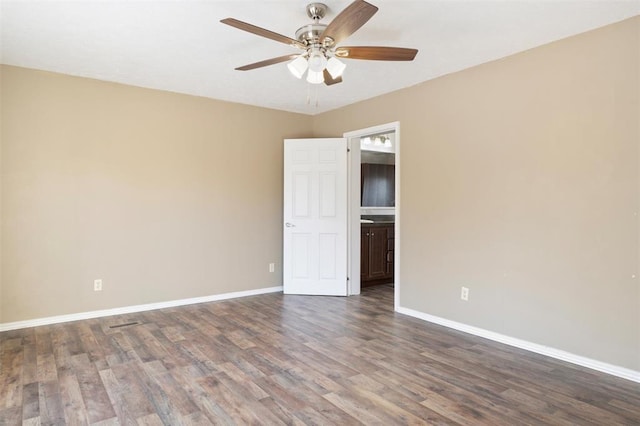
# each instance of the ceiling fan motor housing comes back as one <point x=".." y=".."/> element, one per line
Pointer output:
<point x="316" y="11"/>
<point x="310" y="34"/>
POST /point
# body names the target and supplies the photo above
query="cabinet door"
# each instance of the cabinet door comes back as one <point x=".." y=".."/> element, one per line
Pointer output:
<point x="390" y="251"/>
<point x="378" y="252"/>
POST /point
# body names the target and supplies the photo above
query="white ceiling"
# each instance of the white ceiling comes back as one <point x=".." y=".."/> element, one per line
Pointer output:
<point x="181" y="46"/>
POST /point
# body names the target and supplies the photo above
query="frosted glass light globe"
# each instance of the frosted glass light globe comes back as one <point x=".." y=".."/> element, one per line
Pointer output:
<point x="298" y="66"/>
<point x="335" y="67"/>
<point x="314" y="77"/>
<point x="317" y="61"/>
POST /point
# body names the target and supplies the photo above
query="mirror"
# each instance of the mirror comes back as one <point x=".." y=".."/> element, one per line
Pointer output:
<point x="377" y="178"/>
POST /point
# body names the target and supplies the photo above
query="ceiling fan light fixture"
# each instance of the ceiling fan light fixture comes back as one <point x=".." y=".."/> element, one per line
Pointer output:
<point x="317" y="61"/>
<point x="298" y="66"/>
<point x="335" y="67"/>
<point x="320" y="44"/>
<point x="315" y="77"/>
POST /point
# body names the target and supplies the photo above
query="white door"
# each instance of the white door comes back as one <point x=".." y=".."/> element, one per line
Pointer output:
<point x="315" y="217"/>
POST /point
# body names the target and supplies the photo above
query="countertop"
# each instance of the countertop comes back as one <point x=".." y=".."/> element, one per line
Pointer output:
<point x="381" y="222"/>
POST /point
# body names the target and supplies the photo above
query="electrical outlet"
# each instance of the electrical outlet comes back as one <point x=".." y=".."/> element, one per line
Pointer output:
<point x="272" y="267"/>
<point x="464" y="293"/>
<point x="97" y="285"/>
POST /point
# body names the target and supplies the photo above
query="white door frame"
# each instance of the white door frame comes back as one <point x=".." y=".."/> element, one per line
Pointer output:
<point x="353" y="212"/>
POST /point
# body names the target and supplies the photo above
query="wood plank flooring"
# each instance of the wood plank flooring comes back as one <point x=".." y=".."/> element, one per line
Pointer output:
<point x="276" y="359"/>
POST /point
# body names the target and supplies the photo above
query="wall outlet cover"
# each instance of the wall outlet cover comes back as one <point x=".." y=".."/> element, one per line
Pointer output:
<point x="464" y="293"/>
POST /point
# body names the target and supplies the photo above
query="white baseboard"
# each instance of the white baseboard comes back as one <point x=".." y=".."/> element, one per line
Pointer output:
<point x="604" y="367"/>
<point x="131" y="309"/>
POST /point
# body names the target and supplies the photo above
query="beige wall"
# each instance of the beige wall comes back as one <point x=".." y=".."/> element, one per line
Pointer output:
<point x="520" y="181"/>
<point x="162" y="196"/>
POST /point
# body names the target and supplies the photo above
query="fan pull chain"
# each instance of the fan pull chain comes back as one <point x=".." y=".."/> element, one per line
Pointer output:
<point x="312" y="96"/>
<point x="316" y="90"/>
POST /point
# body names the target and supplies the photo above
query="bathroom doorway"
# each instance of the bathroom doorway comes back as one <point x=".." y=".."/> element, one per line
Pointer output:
<point x="374" y="208"/>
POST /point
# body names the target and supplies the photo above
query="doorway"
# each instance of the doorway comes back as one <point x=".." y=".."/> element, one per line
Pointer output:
<point x="374" y="145"/>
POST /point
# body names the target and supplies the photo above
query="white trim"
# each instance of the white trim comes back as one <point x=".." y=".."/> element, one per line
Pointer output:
<point x="353" y="216"/>
<point x="382" y="128"/>
<point x="135" y="308"/>
<point x="396" y="222"/>
<point x="604" y="367"/>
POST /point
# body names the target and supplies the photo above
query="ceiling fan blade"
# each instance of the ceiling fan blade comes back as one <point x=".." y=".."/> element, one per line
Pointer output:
<point x="328" y="80"/>
<point x="262" y="32"/>
<point x="349" y="21"/>
<point x="376" y="53"/>
<point x="266" y="62"/>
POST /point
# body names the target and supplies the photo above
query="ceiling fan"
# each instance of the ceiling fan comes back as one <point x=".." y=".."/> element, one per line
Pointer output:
<point x="320" y="56"/>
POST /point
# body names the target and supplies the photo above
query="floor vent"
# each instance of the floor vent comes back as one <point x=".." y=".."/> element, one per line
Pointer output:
<point x="124" y="325"/>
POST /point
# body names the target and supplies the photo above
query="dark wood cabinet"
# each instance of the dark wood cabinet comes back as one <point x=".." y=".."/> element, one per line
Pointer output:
<point x="376" y="254"/>
<point x="377" y="185"/>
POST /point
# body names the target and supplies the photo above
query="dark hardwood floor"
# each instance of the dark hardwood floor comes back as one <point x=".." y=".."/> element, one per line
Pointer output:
<point x="277" y="359"/>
